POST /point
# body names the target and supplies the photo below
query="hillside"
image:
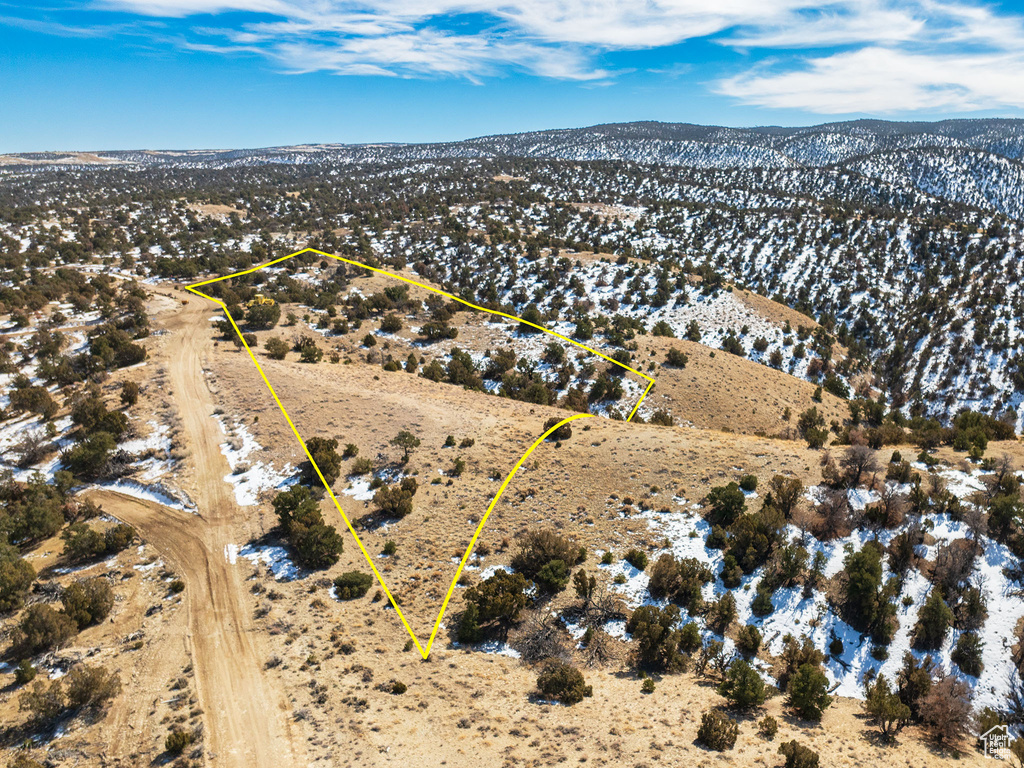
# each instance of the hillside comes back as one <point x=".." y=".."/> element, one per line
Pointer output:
<point x="822" y="489"/>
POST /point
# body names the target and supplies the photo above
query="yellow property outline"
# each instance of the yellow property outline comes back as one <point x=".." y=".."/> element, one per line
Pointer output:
<point x="424" y="652"/>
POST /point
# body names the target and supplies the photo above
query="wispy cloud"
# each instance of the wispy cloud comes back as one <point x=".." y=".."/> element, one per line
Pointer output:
<point x="836" y="56"/>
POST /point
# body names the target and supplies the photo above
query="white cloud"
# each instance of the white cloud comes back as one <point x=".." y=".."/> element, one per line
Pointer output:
<point x="884" y="80"/>
<point x="876" y="55"/>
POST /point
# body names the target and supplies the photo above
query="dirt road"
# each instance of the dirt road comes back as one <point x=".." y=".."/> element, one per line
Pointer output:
<point x="247" y="715"/>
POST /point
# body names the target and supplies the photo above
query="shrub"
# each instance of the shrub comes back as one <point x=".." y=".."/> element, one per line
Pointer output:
<point x="88" y="459"/>
<point x="327" y="458"/>
<point x="276" y="348"/>
<point x="45" y="702"/>
<point x="538" y="547"/>
<point x="725" y="504"/>
<point x="81" y="542"/>
<point x="351" y="585"/>
<point x="762" y="605"/>
<point x="689" y="637"/>
<point x="350" y="452"/>
<point x="42" y="629"/>
<point x="16" y="576"/>
<point x="263" y="316"/>
<point x="967" y="654"/>
<point x="748" y="640"/>
<point x="469" y="625"/>
<point x="177" y="741"/>
<point x="553" y="577"/>
<point x="564" y="432"/>
<point x="91" y="686"/>
<point x="717" y="731"/>
<point x="25" y="673"/>
<point x="808" y="692"/>
<point x="362" y="466"/>
<point x="768" y="727"/>
<point x="499" y="600"/>
<point x="391" y="323"/>
<point x="722" y="613"/>
<point x="395" y="501"/>
<point x="316" y="544"/>
<point x="129" y="393"/>
<point x="657" y="643"/>
<point x="743" y="687"/>
<point x="563" y="682"/>
<point x="933" y="620"/>
<point x="390" y="547"/>
<point x="680" y="580"/>
<point x="862" y="590"/>
<point x="885" y="707"/>
<point x="118" y="538"/>
<point x="636" y="558"/>
<point x="676" y="358"/>
<point x="88" y="601"/>
<point x="648" y="685"/>
<point x="607" y="558"/>
<point x="407" y="441"/>
<point x="914" y="682"/>
<point x="797" y="755"/>
<point x="748" y="483"/>
<point x="946" y="710"/>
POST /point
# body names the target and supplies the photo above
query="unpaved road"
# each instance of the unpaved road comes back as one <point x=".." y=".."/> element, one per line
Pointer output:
<point x="248" y="720"/>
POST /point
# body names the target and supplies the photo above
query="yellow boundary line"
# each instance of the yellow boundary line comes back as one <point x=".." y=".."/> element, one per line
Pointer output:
<point x="424" y="652"/>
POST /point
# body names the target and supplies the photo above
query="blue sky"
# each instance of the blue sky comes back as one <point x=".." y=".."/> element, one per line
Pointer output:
<point x="112" y="74"/>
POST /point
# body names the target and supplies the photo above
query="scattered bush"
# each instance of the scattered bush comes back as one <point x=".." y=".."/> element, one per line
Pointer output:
<point x="946" y="710"/>
<point x="798" y="756"/>
<point x="316" y="544"/>
<point x="768" y="727"/>
<point x="676" y="358"/>
<point x="808" y="692"/>
<point x="725" y="504"/>
<point x="129" y="393"/>
<point x="657" y="643"/>
<point x="717" y="731"/>
<point x="276" y="348"/>
<point x="42" y="628"/>
<point x="564" y="432"/>
<point x="395" y="501"/>
<point x="16" y="576"/>
<point x="967" y="654"/>
<point x="885" y="707"/>
<point x="352" y="585"/>
<point x="178" y="741"/>
<point x="327" y="458"/>
<point x="748" y="640"/>
<point x="538" y="547"/>
<point x="933" y="620"/>
<point x="25" y="672"/>
<point x="743" y="687"/>
<point x="637" y="558"/>
<point x="563" y="682"/>
<point x="88" y="601"/>
<point x="498" y="602"/>
<point x="748" y="483"/>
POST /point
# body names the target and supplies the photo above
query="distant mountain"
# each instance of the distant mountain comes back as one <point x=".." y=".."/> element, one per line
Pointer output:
<point x="974" y="162"/>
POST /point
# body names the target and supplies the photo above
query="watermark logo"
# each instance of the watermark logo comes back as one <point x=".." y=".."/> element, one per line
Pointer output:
<point x="996" y="742"/>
